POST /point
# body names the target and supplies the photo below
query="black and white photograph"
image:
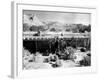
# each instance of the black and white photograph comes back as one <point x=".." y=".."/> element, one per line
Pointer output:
<point x="56" y="39"/>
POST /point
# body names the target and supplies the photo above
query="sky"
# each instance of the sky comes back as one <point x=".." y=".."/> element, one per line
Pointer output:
<point x="62" y="17"/>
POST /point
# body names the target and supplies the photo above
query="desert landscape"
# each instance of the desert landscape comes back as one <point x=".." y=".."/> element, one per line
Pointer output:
<point x="56" y="40"/>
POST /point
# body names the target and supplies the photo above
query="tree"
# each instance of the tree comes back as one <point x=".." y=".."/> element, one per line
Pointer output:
<point x="53" y="29"/>
<point x="26" y="27"/>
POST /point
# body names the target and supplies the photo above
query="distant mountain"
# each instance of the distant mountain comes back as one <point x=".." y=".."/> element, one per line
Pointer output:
<point x="33" y="23"/>
<point x="32" y="20"/>
<point x="56" y="26"/>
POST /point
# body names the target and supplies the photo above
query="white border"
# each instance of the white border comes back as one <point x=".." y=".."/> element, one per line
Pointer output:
<point x="17" y="41"/>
